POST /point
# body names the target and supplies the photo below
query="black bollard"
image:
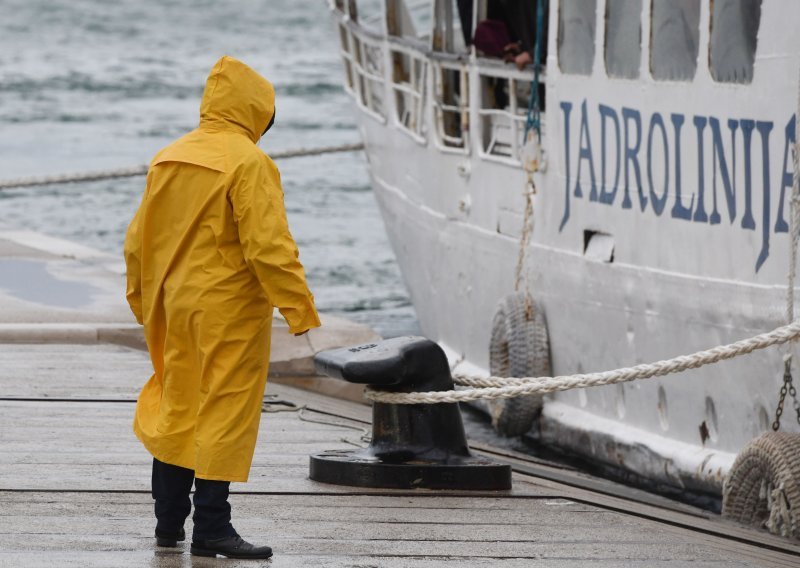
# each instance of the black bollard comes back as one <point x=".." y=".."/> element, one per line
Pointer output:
<point x="413" y="445"/>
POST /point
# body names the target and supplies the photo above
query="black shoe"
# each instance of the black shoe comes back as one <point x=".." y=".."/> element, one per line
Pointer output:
<point x="230" y="547"/>
<point x="170" y="539"/>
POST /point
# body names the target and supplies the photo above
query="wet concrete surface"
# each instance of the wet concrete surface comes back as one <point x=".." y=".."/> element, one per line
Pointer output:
<point x="361" y="530"/>
<point x="47" y="280"/>
<point x="74" y="490"/>
<point x="29" y="280"/>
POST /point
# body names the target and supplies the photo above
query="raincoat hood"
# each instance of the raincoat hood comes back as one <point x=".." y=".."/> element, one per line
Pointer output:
<point x="237" y="98"/>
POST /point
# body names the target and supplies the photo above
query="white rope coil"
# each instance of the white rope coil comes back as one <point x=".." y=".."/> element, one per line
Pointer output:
<point x="142" y="170"/>
<point x="501" y="387"/>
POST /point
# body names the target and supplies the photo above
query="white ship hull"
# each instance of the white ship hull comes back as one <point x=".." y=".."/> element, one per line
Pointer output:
<point x="625" y="275"/>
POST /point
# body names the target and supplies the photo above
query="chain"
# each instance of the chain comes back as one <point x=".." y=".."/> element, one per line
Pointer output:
<point x="787" y="388"/>
<point x="787" y="380"/>
<point x="795" y="402"/>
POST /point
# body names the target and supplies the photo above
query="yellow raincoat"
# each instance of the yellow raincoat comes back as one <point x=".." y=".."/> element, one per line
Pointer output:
<point x="209" y="254"/>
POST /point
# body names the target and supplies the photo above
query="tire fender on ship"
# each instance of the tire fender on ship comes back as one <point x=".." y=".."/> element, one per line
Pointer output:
<point x="519" y="347"/>
<point x="763" y="486"/>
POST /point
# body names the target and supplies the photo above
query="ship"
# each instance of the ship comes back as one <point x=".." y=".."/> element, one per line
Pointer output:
<point x="631" y="186"/>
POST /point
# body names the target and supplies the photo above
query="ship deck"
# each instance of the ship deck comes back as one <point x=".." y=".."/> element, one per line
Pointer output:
<point x="74" y="490"/>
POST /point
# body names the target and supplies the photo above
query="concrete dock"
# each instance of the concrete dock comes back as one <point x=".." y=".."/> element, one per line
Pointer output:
<point x="74" y="481"/>
<point x="74" y="490"/>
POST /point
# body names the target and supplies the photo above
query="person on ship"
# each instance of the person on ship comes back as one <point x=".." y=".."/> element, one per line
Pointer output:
<point x="208" y="255"/>
<point x="508" y="32"/>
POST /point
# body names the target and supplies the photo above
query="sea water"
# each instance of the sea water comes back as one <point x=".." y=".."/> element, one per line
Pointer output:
<point x="97" y="84"/>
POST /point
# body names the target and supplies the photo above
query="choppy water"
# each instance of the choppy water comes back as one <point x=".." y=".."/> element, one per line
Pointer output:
<point x="93" y="84"/>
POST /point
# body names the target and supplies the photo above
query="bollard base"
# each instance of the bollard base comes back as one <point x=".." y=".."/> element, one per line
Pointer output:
<point x="361" y="468"/>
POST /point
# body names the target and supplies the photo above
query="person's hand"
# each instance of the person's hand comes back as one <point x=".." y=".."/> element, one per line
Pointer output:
<point x="510" y="52"/>
<point x="301" y="333"/>
<point x="523" y="59"/>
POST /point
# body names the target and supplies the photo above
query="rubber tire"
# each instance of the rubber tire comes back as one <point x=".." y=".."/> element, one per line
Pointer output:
<point x="771" y="459"/>
<point x="519" y="347"/>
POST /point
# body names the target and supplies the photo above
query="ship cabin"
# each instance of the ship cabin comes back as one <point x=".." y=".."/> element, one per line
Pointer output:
<point x="403" y="55"/>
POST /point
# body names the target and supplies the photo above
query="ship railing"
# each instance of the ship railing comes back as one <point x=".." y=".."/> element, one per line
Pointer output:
<point x="450" y="102"/>
<point x="409" y="79"/>
<point x="347" y="59"/>
<point x="501" y="106"/>
<point x="361" y="50"/>
<point x="464" y="90"/>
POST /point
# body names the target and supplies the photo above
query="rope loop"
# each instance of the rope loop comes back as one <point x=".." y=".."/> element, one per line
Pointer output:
<point x="501" y="387"/>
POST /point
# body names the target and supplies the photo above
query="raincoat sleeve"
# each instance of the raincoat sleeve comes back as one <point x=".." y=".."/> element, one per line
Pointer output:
<point x="268" y="246"/>
<point x="133" y="266"/>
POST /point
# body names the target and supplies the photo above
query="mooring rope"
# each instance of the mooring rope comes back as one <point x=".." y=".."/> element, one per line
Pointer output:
<point x="142" y="170"/>
<point x="503" y="387"/>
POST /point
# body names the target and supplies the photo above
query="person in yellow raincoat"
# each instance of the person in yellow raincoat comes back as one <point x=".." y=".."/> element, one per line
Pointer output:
<point x="209" y="255"/>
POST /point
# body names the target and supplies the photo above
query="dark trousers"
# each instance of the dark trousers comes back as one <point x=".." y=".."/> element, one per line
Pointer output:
<point x="212" y="512"/>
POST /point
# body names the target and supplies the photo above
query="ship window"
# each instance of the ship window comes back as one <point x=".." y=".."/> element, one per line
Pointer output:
<point x="734" y="29"/>
<point x="576" y="33"/>
<point x="674" y="39"/>
<point x="408" y="84"/>
<point x="623" y="38"/>
<point x="451" y="104"/>
<point x="503" y="111"/>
